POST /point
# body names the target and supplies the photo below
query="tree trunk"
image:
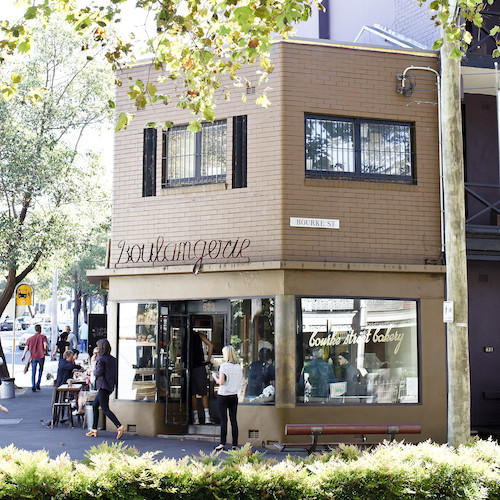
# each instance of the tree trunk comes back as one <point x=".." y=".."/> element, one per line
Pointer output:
<point x="455" y="251"/>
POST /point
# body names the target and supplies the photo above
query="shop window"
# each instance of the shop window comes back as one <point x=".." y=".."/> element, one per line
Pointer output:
<point x="354" y="148"/>
<point x="137" y="334"/>
<point x="194" y="158"/>
<point x="357" y="351"/>
<point x="252" y="335"/>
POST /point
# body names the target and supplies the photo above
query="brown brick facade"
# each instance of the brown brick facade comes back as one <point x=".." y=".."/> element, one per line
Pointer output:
<point x="380" y="222"/>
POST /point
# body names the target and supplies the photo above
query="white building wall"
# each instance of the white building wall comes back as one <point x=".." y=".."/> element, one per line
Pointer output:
<point x="405" y="17"/>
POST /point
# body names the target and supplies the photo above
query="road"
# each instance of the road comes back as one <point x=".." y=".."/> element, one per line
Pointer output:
<point x="22" y="379"/>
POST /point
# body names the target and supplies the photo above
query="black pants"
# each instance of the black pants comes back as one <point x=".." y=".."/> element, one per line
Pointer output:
<point x="102" y="400"/>
<point x="228" y="404"/>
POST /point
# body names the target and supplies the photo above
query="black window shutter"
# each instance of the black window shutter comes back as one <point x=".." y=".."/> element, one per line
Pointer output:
<point x="149" y="163"/>
<point x="239" y="151"/>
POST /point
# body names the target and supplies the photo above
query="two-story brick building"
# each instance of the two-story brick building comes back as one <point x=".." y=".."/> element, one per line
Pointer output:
<point x="296" y="233"/>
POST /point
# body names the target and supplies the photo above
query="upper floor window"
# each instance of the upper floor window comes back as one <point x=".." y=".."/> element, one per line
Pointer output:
<point x="194" y="158"/>
<point x="355" y="148"/>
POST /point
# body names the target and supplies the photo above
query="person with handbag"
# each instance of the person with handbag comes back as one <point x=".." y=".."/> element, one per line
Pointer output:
<point x="105" y="380"/>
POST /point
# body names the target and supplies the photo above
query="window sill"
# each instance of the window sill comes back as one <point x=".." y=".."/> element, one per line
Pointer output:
<point x="358" y="183"/>
<point x="195" y="188"/>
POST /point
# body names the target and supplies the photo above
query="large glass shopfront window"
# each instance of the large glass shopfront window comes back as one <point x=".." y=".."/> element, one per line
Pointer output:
<point x="252" y="335"/>
<point x="357" y="351"/>
<point x="137" y="370"/>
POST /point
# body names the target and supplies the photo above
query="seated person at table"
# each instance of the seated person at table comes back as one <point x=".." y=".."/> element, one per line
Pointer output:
<point x="319" y="375"/>
<point x="260" y="373"/>
<point x="66" y="368"/>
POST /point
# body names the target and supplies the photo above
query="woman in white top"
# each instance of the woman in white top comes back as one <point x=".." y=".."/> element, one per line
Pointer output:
<point x="229" y="379"/>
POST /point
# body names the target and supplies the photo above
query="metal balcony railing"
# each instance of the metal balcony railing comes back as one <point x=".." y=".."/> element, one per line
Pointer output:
<point x="482" y="207"/>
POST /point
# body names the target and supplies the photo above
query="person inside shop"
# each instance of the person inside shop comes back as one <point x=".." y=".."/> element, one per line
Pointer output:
<point x="316" y="376"/>
<point x="261" y="373"/>
<point x="199" y="382"/>
<point x="350" y="375"/>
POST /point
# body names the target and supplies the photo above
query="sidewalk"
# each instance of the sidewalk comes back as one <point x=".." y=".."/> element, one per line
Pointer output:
<point x="25" y="427"/>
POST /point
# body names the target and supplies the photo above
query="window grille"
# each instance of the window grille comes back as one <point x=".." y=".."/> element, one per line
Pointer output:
<point x="194" y="158"/>
<point x="354" y="148"/>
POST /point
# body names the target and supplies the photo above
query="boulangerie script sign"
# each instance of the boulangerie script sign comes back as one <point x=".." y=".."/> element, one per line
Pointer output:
<point x="167" y="252"/>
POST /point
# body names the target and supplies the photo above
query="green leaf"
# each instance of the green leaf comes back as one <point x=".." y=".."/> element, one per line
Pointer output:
<point x="23" y="47"/>
<point x="437" y="44"/>
<point x="456" y="54"/>
<point x="263" y="101"/>
<point x="31" y="13"/>
<point x="151" y="89"/>
<point x="111" y="104"/>
<point x="494" y="30"/>
<point x="16" y="78"/>
<point x="209" y="114"/>
<point x="167" y="125"/>
<point x="123" y="121"/>
<point x="194" y="126"/>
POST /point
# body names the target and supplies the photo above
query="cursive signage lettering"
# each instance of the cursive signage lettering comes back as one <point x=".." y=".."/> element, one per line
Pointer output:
<point x="341" y="338"/>
<point x="181" y="251"/>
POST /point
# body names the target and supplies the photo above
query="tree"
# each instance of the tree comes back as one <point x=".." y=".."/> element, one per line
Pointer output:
<point x="197" y="43"/>
<point x="63" y="92"/>
<point x="88" y="252"/>
<point x="452" y="17"/>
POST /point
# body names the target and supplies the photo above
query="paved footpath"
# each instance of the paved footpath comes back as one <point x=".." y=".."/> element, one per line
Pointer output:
<point x="25" y="427"/>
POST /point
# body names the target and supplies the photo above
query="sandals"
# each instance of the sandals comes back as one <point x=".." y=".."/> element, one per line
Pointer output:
<point x="92" y="433"/>
<point x="220" y="447"/>
<point x="5" y="410"/>
<point x="120" y="431"/>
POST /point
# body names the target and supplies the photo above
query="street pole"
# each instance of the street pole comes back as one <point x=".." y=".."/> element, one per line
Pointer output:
<point x="55" y="328"/>
<point x="14" y="332"/>
<point x="455" y="249"/>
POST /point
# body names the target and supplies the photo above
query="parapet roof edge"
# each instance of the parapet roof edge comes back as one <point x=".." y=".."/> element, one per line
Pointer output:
<point x="361" y="46"/>
<point x="338" y="45"/>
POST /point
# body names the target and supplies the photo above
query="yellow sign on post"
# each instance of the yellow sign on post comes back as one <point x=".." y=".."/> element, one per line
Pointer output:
<point x="24" y="295"/>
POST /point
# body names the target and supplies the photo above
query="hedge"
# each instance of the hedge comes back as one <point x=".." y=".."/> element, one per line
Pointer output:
<point x="389" y="471"/>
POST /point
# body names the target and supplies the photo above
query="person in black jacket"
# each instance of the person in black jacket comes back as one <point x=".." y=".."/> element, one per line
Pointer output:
<point x="66" y="368"/>
<point x="105" y="380"/>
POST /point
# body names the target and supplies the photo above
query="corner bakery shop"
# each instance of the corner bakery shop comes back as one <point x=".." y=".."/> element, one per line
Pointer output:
<point x="318" y="342"/>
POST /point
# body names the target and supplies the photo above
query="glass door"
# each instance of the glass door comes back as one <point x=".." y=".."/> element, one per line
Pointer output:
<point x="173" y="356"/>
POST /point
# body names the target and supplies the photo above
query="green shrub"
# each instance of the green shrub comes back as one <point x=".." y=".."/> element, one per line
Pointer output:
<point x="389" y="471"/>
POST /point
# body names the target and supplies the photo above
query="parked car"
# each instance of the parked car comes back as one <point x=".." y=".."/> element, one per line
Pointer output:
<point x="23" y="322"/>
<point x="6" y="325"/>
<point x="46" y="330"/>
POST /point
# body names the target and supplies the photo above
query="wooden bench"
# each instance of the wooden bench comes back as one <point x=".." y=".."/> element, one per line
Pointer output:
<point x="360" y="430"/>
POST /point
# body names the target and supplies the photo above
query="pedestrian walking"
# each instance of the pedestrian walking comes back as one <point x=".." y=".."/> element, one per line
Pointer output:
<point x="105" y="381"/>
<point x="71" y="338"/>
<point x="229" y="379"/>
<point x="38" y="347"/>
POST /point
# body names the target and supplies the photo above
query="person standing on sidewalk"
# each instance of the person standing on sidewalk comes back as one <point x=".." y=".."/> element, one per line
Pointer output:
<point x="105" y="380"/>
<point x="229" y="379"/>
<point x="37" y="346"/>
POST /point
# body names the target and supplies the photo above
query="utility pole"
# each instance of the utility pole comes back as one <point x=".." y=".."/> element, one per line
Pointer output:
<point x="455" y="249"/>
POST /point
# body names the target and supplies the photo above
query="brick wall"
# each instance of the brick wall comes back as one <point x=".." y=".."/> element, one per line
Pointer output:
<point x="379" y="222"/>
